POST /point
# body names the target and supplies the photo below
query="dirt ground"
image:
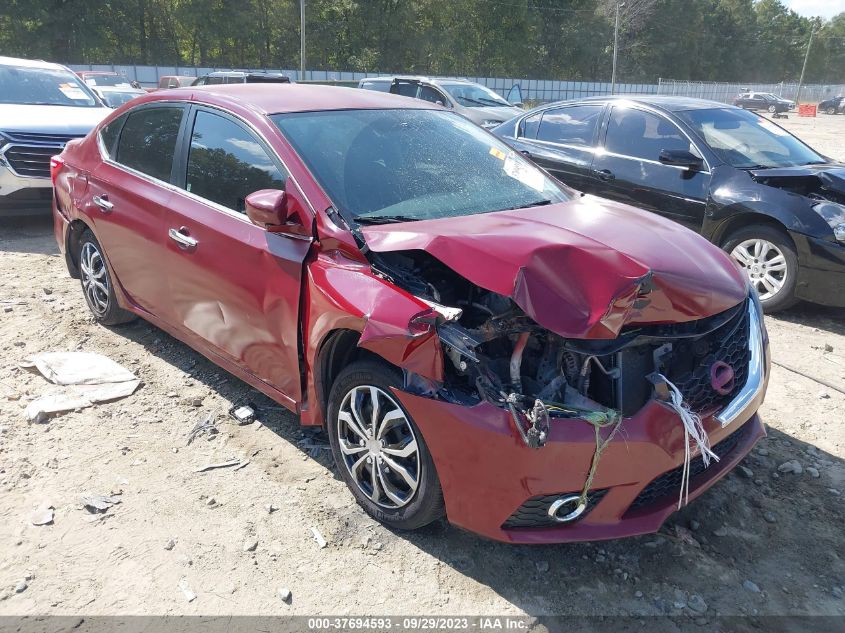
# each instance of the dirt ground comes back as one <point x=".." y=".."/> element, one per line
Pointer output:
<point x="760" y="542"/>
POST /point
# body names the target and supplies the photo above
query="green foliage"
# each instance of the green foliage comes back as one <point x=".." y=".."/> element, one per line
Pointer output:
<point x="724" y="40"/>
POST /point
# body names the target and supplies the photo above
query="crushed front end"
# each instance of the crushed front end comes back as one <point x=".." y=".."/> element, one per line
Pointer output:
<point x="539" y="437"/>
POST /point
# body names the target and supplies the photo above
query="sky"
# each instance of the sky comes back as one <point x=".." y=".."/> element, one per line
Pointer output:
<point x="811" y="8"/>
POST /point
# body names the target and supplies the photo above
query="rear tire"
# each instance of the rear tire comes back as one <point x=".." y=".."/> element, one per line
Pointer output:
<point x="97" y="286"/>
<point x="770" y="261"/>
<point x="383" y="457"/>
<point x="830" y="111"/>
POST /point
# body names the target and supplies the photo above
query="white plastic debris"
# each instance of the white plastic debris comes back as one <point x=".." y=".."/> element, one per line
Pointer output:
<point x="87" y="379"/>
<point x="321" y="542"/>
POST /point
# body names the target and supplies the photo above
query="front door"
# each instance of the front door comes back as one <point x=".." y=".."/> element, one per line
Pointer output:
<point x="234" y="287"/>
<point x="127" y="196"/>
<point x="628" y="167"/>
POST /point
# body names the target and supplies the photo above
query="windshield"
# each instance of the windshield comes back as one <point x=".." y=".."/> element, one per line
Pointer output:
<point x="403" y="165"/>
<point x="43" y="86"/>
<point x="743" y="139"/>
<point x="115" y="98"/>
<point x="107" y="80"/>
<point x="474" y="95"/>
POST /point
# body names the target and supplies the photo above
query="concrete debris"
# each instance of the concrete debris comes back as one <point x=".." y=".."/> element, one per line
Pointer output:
<point x="170" y="544"/>
<point x="43" y="515"/>
<point x="318" y="537"/>
<point x="21" y="586"/>
<point x="284" y="594"/>
<point x="99" y="503"/>
<point x="190" y="596"/>
<point x="250" y="545"/>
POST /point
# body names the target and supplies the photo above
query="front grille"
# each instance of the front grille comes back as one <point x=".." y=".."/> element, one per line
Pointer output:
<point x="534" y="513"/>
<point x="33" y="137"/>
<point x="669" y="483"/>
<point x="728" y="344"/>
<point x="31" y="160"/>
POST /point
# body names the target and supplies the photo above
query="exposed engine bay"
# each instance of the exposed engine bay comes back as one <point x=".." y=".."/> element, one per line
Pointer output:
<point x="495" y="352"/>
<point x="820" y="187"/>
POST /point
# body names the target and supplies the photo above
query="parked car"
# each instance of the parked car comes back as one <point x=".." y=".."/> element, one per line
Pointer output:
<point x="746" y="184"/>
<point x="175" y="81"/>
<point x="833" y="105"/>
<point x="477" y="103"/>
<point x="109" y="79"/>
<point x="240" y="77"/>
<point x="115" y="96"/>
<point x="764" y="101"/>
<point x="456" y="319"/>
<point x="42" y="107"/>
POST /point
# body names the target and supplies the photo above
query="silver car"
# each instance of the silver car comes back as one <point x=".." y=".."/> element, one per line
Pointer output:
<point x="477" y="103"/>
<point x="42" y="107"/>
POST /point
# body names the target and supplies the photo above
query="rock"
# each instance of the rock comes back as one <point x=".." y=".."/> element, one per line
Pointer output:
<point x="813" y="472"/>
<point x="746" y="472"/>
<point x="751" y="586"/>
<point x="170" y="544"/>
<point x="284" y="594"/>
<point x="211" y="501"/>
<point x="7" y="309"/>
<point x="686" y="536"/>
<point x="694" y="525"/>
<point x="251" y="544"/>
<point x="837" y="592"/>
<point x="21" y="586"/>
<point x="697" y="604"/>
<point x="834" y="491"/>
<point x="600" y="558"/>
<point x="366" y="540"/>
<point x="769" y="517"/>
<point x="270" y="508"/>
<point x="638" y="594"/>
<point x="823" y="395"/>
<point x="720" y="532"/>
<point x="762" y="452"/>
<point x="828" y="347"/>
<point x="792" y="466"/>
<point x="48" y="291"/>
<point x="542" y="566"/>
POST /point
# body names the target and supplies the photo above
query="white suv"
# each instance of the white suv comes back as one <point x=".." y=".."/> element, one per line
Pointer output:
<point x="42" y="107"/>
<point x="477" y="103"/>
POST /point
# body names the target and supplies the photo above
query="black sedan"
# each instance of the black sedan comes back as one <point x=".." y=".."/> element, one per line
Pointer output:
<point x="746" y="184"/>
<point x="763" y="101"/>
<point x="832" y="105"/>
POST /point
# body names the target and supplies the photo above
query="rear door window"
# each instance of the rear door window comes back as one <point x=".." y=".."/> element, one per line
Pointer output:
<point x="148" y="140"/>
<point x="573" y="125"/>
<point x="431" y="95"/>
<point x="226" y="163"/>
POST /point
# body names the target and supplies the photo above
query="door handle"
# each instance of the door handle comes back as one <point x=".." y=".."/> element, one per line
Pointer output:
<point x="605" y="174"/>
<point x="184" y="241"/>
<point x="103" y="203"/>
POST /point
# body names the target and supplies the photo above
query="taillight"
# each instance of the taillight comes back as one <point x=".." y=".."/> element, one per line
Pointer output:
<point x="56" y="163"/>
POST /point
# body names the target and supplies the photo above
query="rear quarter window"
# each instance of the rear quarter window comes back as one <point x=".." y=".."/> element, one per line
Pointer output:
<point x="109" y="134"/>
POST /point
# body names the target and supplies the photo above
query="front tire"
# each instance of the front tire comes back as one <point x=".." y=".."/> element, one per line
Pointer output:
<point x="97" y="284"/>
<point x="770" y="261"/>
<point x="830" y="111"/>
<point x="773" y="109"/>
<point x="379" y="450"/>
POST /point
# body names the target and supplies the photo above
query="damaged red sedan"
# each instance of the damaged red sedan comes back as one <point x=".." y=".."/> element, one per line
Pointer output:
<point x="479" y="341"/>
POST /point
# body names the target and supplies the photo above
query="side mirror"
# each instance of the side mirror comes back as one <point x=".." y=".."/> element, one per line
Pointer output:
<point x="680" y="158"/>
<point x="276" y="211"/>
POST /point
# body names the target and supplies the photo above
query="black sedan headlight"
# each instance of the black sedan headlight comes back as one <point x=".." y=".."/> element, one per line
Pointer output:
<point x="834" y="215"/>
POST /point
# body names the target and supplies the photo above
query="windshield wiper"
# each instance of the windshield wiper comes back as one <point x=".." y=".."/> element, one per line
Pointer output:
<point x="539" y="203"/>
<point x="493" y="102"/>
<point x="384" y="219"/>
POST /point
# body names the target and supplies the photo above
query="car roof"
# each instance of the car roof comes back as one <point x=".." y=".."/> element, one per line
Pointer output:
<point x="421" y="78"/>
<point x="282" y="98"/>
<point x="98" y="72"/>
<point x="664" y="102"/>
<point x="29" y="63"/>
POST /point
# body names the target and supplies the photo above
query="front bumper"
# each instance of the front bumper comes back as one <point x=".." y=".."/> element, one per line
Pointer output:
<point x="821" y="270"/>
<point x="488" y="474"/>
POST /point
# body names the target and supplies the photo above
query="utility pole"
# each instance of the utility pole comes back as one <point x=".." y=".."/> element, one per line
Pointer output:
<point x="615" y="48"/>
<point x="804" y="67"/>
<point x="301" y="39"/>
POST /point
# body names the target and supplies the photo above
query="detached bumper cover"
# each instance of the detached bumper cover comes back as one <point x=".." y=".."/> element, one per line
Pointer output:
<point x="489" y="476"/>
<point x="821" y="270"/>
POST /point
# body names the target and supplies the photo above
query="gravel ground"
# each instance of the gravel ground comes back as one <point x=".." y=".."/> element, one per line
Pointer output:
<point x="762" y="541"/>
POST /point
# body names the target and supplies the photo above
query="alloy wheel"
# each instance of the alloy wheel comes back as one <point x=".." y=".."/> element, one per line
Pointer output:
<point x="379" y="446"/>
<point x="95" y="280"/>
<point x="764" y="264"/>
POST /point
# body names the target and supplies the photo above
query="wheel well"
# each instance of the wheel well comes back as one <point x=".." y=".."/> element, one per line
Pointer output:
<point x="339" y="349"/>
<point x="749" y="219"/>
<point x="74" y="234"/>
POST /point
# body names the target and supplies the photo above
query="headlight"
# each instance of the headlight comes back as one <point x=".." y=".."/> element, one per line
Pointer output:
<point x="834" y="215"/>
<point x="488" y="123"/>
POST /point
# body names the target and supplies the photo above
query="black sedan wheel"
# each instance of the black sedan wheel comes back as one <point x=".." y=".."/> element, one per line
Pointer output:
<point x="97" y="283"/>
<point x="830" y="111"/>
<point x="773" y="108"/>
<point x="770" y="261"/>
<point x="378" y="449"/>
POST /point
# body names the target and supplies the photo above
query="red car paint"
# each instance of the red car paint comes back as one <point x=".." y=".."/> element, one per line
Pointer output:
<point x="262" y="305"/>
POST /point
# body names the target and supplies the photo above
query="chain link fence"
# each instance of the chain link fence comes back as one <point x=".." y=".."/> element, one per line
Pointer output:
<point x="727" y="92"/>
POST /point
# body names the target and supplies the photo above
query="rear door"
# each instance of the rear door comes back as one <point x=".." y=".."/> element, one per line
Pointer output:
<point x="562" y="141"/>
<point x="128" y="194"/>
<point x="629" y="170"/>
<point x="234" y="288"/>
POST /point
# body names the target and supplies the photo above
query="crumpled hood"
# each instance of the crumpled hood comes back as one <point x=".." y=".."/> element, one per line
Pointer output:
<point x="583" y="268"/>
<point x="831" y="175"/>
<point x="70" y="120"/>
